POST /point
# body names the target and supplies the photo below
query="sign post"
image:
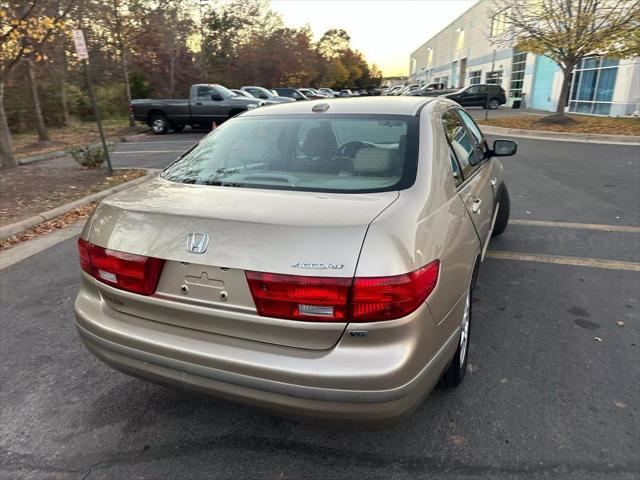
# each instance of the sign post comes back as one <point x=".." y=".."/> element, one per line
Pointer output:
<point x="83" y="54"/>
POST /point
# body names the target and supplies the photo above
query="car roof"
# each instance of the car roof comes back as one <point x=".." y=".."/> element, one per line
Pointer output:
<point x="361" y="105"/>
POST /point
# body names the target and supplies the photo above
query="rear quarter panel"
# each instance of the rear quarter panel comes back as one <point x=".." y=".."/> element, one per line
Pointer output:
<point x="428" y="221"/>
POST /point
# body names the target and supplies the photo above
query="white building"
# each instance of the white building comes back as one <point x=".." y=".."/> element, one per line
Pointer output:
<point x="462" y="54"/>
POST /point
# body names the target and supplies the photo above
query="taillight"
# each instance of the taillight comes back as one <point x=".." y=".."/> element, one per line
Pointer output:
<point x="385" y="298"/>
<point x="342" y="299"/>
<point x="126" y="271"/>
<point x="299" y="298"/>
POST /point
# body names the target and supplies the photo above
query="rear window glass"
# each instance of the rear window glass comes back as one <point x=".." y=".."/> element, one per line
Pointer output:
<point x="346" y="153"/>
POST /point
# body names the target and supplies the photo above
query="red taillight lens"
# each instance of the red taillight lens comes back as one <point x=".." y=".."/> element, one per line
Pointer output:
<point x="342" y="299"/>
<point x="386" y="298"/>
<point x="299" y="298"/>
<point x="126" y="271"/>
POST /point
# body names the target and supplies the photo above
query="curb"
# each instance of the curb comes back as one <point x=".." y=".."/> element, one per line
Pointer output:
<point x="577" y="137"/>
<point x="42" y="156"/>
<point x="22" y="225"/>
<point x="61" y="153"/>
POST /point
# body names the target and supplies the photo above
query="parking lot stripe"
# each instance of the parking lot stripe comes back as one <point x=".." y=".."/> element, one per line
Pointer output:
<point x="560" y="260"/>
<point x="577" y="226"/>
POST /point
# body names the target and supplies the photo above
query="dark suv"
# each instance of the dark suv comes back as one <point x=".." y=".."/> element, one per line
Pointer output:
<point x="484" y="95"/>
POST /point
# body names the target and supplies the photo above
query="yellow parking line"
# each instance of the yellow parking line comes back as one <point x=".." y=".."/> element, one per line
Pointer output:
<point x="560" y="260"/>
<point x="578" y="226"/>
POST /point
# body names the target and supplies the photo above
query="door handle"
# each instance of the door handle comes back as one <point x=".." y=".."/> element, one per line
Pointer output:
<point x="494" y="182"/>
<point x="475" y="207"/>
<point x="198" y="103"/>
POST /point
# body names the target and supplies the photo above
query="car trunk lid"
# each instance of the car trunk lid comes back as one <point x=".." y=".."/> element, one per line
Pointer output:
<point x="276" y="231"/>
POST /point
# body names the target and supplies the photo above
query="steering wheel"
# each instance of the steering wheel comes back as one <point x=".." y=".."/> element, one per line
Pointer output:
<point x="350" y="149"/>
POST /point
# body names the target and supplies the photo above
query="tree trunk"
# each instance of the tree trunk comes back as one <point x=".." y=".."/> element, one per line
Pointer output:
<point x="123" y="56"/>
<point x="43" y="136"/>
<point x="63" y="82"/>
<point x="172" y="75"/>
<point x="127" y="86"/>
<point x="7" y="157"/>
<point x="564" y="90"/>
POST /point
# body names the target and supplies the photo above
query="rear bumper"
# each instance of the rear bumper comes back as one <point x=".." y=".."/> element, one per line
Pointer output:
<point x="267" y="375"/>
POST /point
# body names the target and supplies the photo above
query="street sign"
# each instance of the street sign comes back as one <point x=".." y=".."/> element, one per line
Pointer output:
<point x="81" y="46"/>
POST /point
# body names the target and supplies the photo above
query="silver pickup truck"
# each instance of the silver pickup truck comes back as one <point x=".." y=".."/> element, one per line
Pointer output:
<point x="207" y="103"/>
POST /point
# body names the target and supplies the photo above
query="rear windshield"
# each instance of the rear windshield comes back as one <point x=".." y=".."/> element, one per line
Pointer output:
<point x="345" y="153"/>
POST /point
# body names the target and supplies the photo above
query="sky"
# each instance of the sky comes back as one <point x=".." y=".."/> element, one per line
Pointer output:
<point x="385" y="31"/>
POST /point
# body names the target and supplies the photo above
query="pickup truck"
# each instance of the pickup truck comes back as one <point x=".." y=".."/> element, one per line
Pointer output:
<point x="432" y="90"/>
<point x="207" y="103"/>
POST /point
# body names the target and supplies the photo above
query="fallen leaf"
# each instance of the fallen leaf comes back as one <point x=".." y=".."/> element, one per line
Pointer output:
<point x="620" y="404"/>
<point x="597" y="339"/>
<point x="620" y="323"/>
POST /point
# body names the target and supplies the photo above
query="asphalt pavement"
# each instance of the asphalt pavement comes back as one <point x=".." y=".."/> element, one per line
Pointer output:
<point x="552" y="390"/>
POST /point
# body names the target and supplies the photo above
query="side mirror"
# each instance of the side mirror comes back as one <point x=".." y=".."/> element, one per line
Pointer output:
<point x="217" y="97"/>
<point x="504" y="148"/>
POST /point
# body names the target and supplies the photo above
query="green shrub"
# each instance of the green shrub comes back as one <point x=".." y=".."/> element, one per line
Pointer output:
<point x="89" y="156"/>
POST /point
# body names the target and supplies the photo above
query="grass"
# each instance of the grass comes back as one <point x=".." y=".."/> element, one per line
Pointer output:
<point x="73" y="135"/>
<point x="582" y="124"/>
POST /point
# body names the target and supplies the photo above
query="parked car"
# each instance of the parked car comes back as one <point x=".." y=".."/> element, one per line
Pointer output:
<point x="266" y="95"/>
<point x="391" y="90"/>
<point x="345" y="92"/>
<point x="483" y="95"/>
<point x="312" y="94"/>
<point x="330" y="92"/>
<point x="207" y="103"/>
<point x="312" y="259"/>
<point x="291" y="93"/>
<point x="432" y="90"/>
<point x="242" y="93"/>
<point x="407" y="89"/>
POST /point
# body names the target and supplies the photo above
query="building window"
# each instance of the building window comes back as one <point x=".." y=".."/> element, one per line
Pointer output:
<point x="436" y="79"/>
<point x="445" y="80"/>
<point x="592" y="86"/>
<point x="517" y="73"/>
<point x="495" y="77"/>
<point x="498" y="24"/>
<point x="475" y="77"/>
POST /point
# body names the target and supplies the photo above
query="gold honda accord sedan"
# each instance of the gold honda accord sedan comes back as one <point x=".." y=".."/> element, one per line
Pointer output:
<point x="314" y="258"/>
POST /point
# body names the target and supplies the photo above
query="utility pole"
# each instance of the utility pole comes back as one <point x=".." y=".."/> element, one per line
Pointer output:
<point x="83" y="54"/>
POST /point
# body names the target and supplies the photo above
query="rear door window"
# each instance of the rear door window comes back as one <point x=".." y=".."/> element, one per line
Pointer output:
<point x="461" y="143"/>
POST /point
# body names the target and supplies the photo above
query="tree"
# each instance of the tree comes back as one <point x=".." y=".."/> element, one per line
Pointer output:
<point x="25" y="26"/>
<point x="334" y="42"/>
<point x="567" y="30"/>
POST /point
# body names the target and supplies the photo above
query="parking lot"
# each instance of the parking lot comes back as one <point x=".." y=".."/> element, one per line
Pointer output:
<point x="552" y="390"/>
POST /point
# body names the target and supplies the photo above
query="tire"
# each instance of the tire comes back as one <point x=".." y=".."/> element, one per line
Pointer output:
<point x="494" y="103"/>
<point x="502" y="220"/>
<point x="178" y="127"/>
<point x="159" y="124"/>
<point x="457" y="369"/>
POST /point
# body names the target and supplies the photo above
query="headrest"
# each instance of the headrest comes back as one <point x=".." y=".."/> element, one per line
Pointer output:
<point x="319" y="142"/>
<point x="375" y="160"/>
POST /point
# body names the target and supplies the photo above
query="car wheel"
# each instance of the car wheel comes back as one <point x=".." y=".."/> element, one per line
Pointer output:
<point x="159" y="124"/>
<point x="502" y="220"/>
<point x="178" y="127"/>
<point x="494" y="103"/>
<point x="454" y="374"/>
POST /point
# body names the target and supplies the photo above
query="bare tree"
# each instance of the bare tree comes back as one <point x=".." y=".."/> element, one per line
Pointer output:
<point x="41" y="127"/>
<point x="24" y="28"/>
<point x="568" y="30"/>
